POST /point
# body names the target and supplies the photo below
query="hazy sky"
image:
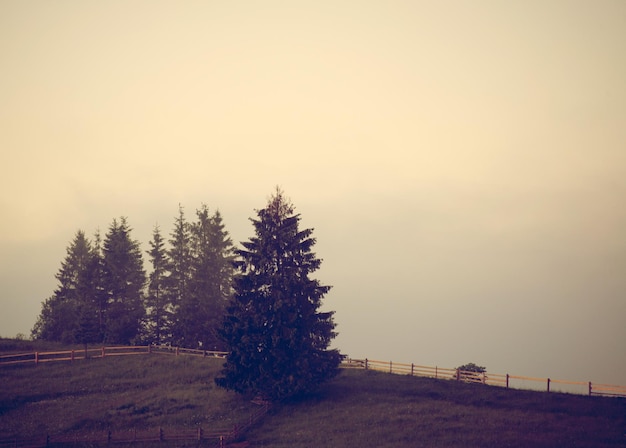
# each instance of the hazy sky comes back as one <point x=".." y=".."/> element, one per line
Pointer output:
<point x="463" y="163"/>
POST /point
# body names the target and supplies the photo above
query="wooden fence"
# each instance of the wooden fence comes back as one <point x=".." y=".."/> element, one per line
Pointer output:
<point x="217" y="437"/>
<point x="102" y="352"/>
<point x="493" y="379"/>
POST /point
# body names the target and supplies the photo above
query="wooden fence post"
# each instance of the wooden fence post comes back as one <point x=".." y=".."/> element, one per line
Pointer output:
<point x="548" y="390"/>
<point x="590" y="388"/>
<point x="412" y="367"/>
<point x="103" y="352"/>
<point x="199" y="433"/>
<point x="390" y="367"/>
<point x="436" y="372"/>
<point x="365" y="363"/>
<point x="458" y="375"/>
<point x="176" y="351"/>
<point x="72" y="355"/>
<point x="507" y="380"/>
<point x="36" y="358"/>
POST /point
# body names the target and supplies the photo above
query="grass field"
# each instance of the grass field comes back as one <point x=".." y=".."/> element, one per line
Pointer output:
<point x="116" y="393"/>
<point x="372" y="409"/>
<point x="357" y="409"/>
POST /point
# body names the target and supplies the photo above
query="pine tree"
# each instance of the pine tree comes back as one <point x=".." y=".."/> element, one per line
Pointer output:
<point x="202" y="310"/>
<point x="123" y="281"/>
<point x="158" y="318"/>
<point x="277" y="337"/>
<point x="93" y="306"/>
<point x="179" y="274"/>
<point x="58" y="320"/>
<point x="96" y="273"/>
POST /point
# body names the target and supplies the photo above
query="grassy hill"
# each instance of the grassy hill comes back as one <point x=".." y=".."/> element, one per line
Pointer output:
<point x="373" y="409"/>
<point x="357" y="409"/>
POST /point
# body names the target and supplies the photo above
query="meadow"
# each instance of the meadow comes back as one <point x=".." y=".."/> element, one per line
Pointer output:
<point x="357" y="409"/>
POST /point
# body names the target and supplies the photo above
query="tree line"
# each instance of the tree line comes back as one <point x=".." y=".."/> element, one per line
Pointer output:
<point x="259" y="302"/>
<point x="104" y="294"/>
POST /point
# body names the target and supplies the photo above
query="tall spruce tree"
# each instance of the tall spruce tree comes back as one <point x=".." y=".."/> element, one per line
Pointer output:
<point x="123" y="282"/>
<point x="277" y="337"/>
<point x="212" y="255"/>
<point x="158" y="308"/>
<point x="59" y="316"/>
<point x="179" y="274"/>
<point x="95" y="282"/>
<point x="90" y="319"/>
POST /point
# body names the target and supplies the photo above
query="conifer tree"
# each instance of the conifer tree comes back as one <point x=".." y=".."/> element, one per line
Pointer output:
<point x="123" y="281"/>
<point x="58" y="320"/>
<point x="277" y="337"/>
<point x="158" y="318"/>
<point x="212" y="254"/>
<point x="179" y="273"/>
<point x="93" y="303"/>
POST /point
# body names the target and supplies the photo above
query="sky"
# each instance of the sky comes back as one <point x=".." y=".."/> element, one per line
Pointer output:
<point x="462" y="163"/>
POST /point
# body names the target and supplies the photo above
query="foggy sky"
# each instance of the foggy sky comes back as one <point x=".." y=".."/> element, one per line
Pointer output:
<point x="462" y="162"/>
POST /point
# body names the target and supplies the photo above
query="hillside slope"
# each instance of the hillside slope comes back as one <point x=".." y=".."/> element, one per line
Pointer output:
<point x="371" y="409"/>
<point x="357" y="409"/>
<point x="116" y="393"/>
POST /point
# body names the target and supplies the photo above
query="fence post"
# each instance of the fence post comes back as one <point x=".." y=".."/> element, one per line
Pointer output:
<point x="507" y="380"/>
<point x="150" y="348"/>
<point x="590" y="388"/>
<point x="436" y="372"/>
<point x="412" y="366"/>
<point x="72" y="355"/>
<point x="390" y="367"/>
<point x="36" y="358"/>
<point x="176" y="351"/>
<point x="548" y="385"/>
<point x="103" y="352"/>
<point x="458" y="375"/>
<point x="365" y="363"/>
<point x="199" y="433"/>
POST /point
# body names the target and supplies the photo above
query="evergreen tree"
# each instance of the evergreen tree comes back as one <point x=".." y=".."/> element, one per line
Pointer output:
<point x="87" y="330"/>
<point x="277" y="337"/>
<point x="99" y="293"/>
<point x="157" y="305"/>
<point x="179" y="273"/>
<point x="92" y="309"/>
<point x="123" y="282"/>
<point x="202" y="310"/>
<point x="58" y="320"/>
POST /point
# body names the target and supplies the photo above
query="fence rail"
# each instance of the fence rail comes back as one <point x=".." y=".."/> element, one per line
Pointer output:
<point x="493" y="379"/>
<point x="221" y="437"/>
<point x="102" y="352"/>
